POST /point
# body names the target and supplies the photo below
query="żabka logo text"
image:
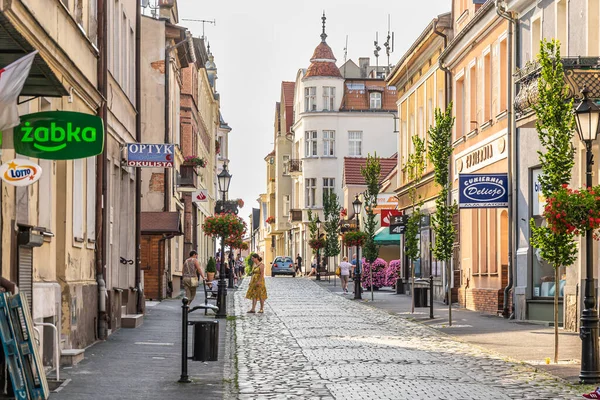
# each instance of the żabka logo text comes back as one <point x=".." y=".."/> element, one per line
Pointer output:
<point x="20" y="172"/>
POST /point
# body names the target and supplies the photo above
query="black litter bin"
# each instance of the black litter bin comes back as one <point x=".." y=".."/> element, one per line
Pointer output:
<point x="206" y="341"/>
<point x="421" y="296"/>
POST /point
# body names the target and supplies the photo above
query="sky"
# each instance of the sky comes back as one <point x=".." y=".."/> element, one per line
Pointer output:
<point x="258" y="44"/>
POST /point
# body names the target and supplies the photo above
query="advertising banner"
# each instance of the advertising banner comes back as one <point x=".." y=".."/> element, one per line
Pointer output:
<point x="150" y="155"/>
<point x="483" y="191"/>
<point x="20" y="172"/>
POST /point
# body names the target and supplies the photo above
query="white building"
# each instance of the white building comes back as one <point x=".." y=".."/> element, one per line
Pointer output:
<point x="333" y="118"/>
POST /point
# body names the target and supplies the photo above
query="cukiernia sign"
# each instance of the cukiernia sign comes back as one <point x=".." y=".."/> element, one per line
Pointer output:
<point x="483" y="191"/>
<point x="59" y="135"/>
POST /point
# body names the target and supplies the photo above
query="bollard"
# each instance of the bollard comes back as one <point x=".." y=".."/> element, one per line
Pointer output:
<point x="184" y="341"/>
<point x="431" y="296"/>
<point x="399" y="286"/>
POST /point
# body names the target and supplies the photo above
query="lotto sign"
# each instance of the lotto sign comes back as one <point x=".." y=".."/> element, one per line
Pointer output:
<point x="200" y="196"/>
<point x="20" y="172"/>
<point x="483" y="190"/>
<point x="59" y="135"/>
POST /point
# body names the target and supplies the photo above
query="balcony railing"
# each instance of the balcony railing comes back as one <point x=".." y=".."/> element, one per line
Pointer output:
<point x="295" y="166"/>
<point x="188" y="177"/>
<point x="296" y="215"/>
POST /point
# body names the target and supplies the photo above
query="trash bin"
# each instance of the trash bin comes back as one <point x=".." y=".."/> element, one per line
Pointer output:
<point x="421" y="296"/>
<point x="206" y="341"/>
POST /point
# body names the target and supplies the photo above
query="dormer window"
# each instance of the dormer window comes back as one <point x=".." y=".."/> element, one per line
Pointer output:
<point x="375" y="100"/>
<point x="310" y="99"/>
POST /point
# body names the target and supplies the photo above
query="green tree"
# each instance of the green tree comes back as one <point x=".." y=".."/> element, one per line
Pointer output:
<point x="555" y="124"/>
<point x="312" y="227"/>
<point x="415" y="168"/>
<point x="372" y="174"/>
<point x="331" y="209"/>
<point x="440" y="152"/>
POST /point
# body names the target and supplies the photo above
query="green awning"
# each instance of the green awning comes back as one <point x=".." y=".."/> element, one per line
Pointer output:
<point x="383" y="237"/>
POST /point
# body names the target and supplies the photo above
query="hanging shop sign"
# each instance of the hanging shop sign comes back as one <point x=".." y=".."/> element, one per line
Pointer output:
<point x="398" y="224"/>
<point x="59" y="135"/>
<point x="200" y="196"/>
<point x="385" y="201"/>
<point x="20" y="172"/>
<point x="483" y="190"/>
<point x="386" y="216"/>
<point x="150" y="155"/>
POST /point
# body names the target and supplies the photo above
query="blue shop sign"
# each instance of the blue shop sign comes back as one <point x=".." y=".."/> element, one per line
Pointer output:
<point x="150" y="155"/>
<point x="483" y="190"/>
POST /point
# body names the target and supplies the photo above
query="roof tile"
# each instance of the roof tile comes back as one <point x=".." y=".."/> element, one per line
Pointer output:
<point x="352" y="165"/>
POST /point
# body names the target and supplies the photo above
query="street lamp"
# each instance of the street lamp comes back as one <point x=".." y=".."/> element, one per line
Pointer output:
<point x="318" y="249"/>
<point x="224" y="179"/>
<point x="587" y="116"/>
<point x="357" y="205"/>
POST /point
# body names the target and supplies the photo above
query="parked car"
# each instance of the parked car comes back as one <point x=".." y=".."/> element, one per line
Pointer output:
<point x="283" y="266"/>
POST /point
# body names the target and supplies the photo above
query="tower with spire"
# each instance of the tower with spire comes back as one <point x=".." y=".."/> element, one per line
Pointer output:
<point x="322" y="62"/>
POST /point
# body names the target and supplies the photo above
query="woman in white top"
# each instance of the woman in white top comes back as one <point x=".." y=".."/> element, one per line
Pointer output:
<point x="345" y="268"/>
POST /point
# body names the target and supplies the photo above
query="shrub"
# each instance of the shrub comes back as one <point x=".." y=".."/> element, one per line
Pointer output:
<point x="211" y="265"/>
<point x="392" y="272"/>
<point x="379" y="273"/>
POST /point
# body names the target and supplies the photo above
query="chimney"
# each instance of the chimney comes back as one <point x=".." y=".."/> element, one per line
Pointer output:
<point x="363" y="64"/>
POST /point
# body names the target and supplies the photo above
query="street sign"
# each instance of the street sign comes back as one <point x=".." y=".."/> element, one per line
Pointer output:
<point x="20" y="172"/>
<point x="150" y="155"/>
<point x="398" y="224"/>
<point x="483" y="190"/>
<point x="200" y="196"/>
<point x="59" y="135"/>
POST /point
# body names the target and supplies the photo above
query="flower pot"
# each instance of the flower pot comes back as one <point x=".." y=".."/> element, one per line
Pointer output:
<point x="210" y="276"/>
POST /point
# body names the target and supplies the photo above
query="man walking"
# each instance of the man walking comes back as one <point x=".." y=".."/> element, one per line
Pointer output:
<point x="299" y="264"/>
<point x="191" y="269"/>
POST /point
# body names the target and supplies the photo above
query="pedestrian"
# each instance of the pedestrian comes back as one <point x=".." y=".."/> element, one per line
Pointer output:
<point x="313" y="267"/>
<point x="239" y="266"/>
<point x="257" y="291"/>
<point x="345" y="268"/>
<point x="353" y="270"/>
<point x="299" y="264"/>
<point x="191" y="269"/>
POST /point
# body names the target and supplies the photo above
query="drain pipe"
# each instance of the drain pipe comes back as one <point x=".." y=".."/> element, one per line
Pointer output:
<point x="138" y="171"/>
<point x="511" y="145"/>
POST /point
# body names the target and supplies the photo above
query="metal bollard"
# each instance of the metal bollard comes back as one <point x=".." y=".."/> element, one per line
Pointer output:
<point x="184" y="341"/>
<point x="399" y="286"/>
<point x="431" y="296"/>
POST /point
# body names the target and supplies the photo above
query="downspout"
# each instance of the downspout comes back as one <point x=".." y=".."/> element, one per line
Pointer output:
<point x="511" y="145"/>
<point x="138" y="174"/>
<point x="100" y="219"/>
<point x="168" y="48"/>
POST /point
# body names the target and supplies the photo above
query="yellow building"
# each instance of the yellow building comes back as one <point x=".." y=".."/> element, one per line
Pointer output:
<point x="422" y="87"/>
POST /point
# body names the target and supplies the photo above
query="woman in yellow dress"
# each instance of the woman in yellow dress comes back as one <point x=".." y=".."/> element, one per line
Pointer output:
<point x="257" y="290"/>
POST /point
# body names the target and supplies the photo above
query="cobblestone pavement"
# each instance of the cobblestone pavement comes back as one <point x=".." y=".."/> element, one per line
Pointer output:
<point x="313" y="344"/>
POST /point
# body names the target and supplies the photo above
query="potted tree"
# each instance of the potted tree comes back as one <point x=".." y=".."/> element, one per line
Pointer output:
<point x="211" y="269"/>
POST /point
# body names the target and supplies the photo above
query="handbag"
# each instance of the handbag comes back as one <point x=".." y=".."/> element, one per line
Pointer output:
<point x="338" y="271"/>
<point x="194" y="281"/>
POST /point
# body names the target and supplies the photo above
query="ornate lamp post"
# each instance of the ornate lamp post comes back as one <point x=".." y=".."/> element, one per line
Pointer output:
<point x="318" y="250"/>
<point x="224" y="179"/>
<point x="357" y="205"/>
<point x="587" y="116"/>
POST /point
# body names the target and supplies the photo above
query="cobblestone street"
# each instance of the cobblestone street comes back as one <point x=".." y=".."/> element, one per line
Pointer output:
<point x="311" y="343"/>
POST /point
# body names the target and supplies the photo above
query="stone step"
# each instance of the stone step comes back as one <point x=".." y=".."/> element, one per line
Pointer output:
<point x="123" y="311"/>
<point x="70" y="357"/>
<point x="132" y="320"/>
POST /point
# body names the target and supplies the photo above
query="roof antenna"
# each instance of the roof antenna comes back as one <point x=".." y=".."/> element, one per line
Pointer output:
<point x="376" y="52"/>
<point x="204" y="21"/>
<point x="323" y="35"/>
<point x="345" y="55"/>
<point x="389" y="47"/>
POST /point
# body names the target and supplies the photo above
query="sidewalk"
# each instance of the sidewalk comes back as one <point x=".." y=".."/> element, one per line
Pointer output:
<point x="145" y="363"/>
<point x="520" y="340"/>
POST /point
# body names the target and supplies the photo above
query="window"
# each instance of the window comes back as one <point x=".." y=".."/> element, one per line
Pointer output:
<point x="472" y="123"/>
<point x="328" y="98"/>
<point x="328" y="143"/>
<point x="132" y="66"/>
<point x="91" y="198"/>
<point x="355" y="143"/>
<point x="487" y="87"/>
<point x="355" y="86"/>
<point x="93" y="23"/>
<point x="311" y="191"/>
<point x="79" y="12"/>
<point x="286" y="205"/>
<point x="503" y="85"/>
<point x="375" y="100"/>
<point x="78" y="199"/>
<point x="328" y="187"/>
<point x="460" y="108"/>
<point x="310" y="99"/>
<point x="286" y="165"/>
<point x="123" y="39"/>
<point x="561" y="24"/>
<point x="593" y="37"/>
<point x="115" y="40"/>
<point x="311" y="144"/>
<point x="536" y="36"/>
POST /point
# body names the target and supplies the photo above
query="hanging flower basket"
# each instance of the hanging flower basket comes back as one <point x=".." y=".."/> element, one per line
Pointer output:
<point x="194" y="161"/>
<point x="352" y="239"/>
<point x="235" y="242"/>
<point x="270" y="220"/>
<point x="224" y="225"/>
<point x="316" y="244"/>
<point x="244" y="246"/>
<point x="571" y="211"/>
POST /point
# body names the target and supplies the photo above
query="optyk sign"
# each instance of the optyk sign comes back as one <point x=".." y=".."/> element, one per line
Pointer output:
<point x="20" y="172"/>
<point x="59" y="135"/>
<point x="483" y="190"/>
<point x="150" y="155"/>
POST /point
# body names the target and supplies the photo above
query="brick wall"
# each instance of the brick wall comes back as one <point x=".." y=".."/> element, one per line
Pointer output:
<point x="484" y="300"/>
<point x="157" y="182"/>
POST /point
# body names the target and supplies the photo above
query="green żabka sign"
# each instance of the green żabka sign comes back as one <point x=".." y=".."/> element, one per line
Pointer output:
<point x="59" y="135"/>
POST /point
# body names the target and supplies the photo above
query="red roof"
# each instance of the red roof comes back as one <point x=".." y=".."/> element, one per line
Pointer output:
<point x="323" y="52"/>
<point x="288" y="93"/>
<point x="160" y="222"/>
<point x="352" y="165"/>
<point x="322" y="63"/>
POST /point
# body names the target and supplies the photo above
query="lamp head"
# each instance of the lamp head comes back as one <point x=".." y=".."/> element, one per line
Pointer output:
<point x="587" y="116"/>
<point x="224" y="179"/>
<point x="318" y="222"/>
<point x="357" y="205"/>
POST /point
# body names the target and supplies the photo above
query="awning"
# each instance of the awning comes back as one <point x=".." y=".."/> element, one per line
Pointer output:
<point x="156" y="223"/>
<point x="383" y="237"/>
<point x="41" y="80"/>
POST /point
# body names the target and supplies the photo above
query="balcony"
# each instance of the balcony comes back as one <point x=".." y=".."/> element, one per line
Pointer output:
<point x="579" y="72"/>
<point x="296" y="215"/>
<point x="187" y="180"/>
<point x="295" y="167"/>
